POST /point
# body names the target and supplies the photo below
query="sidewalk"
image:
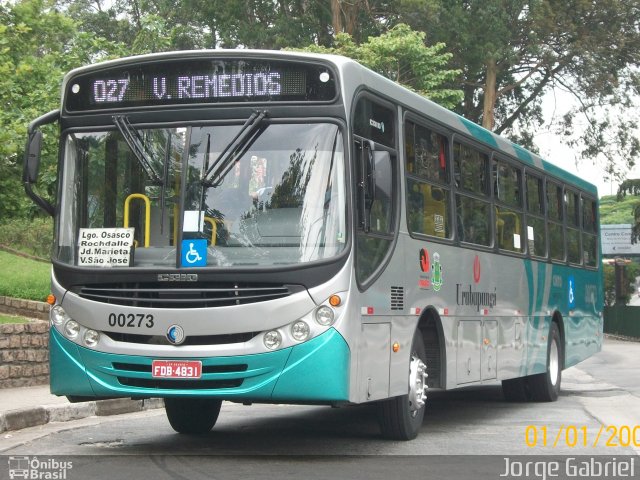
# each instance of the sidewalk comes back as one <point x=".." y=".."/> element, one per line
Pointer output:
<point x="31" y="406"/>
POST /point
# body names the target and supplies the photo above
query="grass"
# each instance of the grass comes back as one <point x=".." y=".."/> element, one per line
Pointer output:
<point x="24" y="278"/>
<point x="613" y="212"/>
<point x="12" y="319"/>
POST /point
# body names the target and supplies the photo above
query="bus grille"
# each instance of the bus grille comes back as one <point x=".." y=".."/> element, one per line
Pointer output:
<point x="161" y="384"/>
<point x="190" y="340"/>
<point x="154" y="295"/>
<point x="397" y="298"/>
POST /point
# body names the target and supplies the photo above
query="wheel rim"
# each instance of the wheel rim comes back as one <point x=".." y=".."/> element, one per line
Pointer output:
<point x="417" y="385"/>
<point x="554" y="362"/>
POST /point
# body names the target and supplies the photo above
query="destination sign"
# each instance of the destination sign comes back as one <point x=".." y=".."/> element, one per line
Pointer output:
<point x="105" y="247"/>
<point x="177" y="82"/>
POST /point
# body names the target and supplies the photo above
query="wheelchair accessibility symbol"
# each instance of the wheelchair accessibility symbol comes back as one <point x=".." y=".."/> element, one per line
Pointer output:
<point x="194" y="253"/>
<point x="572" y="293"/>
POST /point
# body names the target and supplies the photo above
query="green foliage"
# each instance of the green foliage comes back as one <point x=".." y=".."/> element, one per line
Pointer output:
<point x="12" y="319"/>
<point x="614" y="212"/>
<point x="632" y="270"/>
<point x="24" y="278"/>
<point x="38" y="45"/>
<point x="33" y="237"/>
<point x="402" y="56"/>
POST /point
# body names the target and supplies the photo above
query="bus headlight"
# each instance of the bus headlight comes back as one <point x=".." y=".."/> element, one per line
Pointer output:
<point x="325" y="316"/>
<point x="300" y="331"/>
<point x="58" y="315"/>
<point x="272" y="339"/>
<point x="91" y="338"/>
<point x="71" y="329"/>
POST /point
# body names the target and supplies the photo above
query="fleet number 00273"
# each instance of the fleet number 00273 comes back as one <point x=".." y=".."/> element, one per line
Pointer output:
<point x="131" y="320"/>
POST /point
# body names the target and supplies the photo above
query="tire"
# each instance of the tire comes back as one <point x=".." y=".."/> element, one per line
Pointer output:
<point x="545" y="387"/>
<point x="192" y="415"/>
<point x="401" y="417"/>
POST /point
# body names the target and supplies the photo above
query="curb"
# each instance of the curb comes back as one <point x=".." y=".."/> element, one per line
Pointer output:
<point x="35" y="416"/>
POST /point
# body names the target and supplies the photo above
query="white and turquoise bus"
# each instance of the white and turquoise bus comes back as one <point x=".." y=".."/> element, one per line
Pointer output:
<point x="258" y="226"/>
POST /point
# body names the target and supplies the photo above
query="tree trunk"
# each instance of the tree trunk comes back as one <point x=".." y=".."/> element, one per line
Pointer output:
<point x="336" y="16"/>
<point x="490" y="95"/>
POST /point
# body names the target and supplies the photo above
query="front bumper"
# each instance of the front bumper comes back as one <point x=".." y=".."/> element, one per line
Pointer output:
<point x="314" y="371"/>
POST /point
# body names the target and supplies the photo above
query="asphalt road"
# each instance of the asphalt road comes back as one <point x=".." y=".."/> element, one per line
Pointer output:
<point x="466" y="431"/>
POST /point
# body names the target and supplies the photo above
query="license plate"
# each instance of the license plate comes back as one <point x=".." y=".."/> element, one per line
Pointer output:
<point x="176" y="369"/>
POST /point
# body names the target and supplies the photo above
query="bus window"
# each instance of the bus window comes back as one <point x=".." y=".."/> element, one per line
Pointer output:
<point x="589" y="210"/>
<point x="426" y="154"/>
<point x="589" y="233"/>
<point x="428" y="207"/>
<point x="506" y="184"/>
<point x="473" y="226"/>
<point x="572" y="205"/>
<point x="509" y="229"/>
<point x="470" y="169"/>
<point x="374" y="124"/>
<point x="536" y="231"/>
<point x="471" y="176"/>
<point x="554" y="212"/>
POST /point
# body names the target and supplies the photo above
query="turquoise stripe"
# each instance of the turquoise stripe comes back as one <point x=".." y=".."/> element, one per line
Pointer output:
<point x="480" y="133"/>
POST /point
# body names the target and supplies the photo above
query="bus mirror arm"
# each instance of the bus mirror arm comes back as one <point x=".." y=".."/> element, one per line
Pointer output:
<point x="32" y="159"/>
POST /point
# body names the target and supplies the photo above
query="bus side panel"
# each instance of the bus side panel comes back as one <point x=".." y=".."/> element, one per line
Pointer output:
<point x="583" y="322"/>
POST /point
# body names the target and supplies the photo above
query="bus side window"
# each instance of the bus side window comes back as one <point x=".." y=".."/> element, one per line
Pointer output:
<point x="589" y="232"/>
<point x="508" y="209"/>
<point x="555" y="217"/>
<point x="536" y="230"/>
<point x="428" y="207"/>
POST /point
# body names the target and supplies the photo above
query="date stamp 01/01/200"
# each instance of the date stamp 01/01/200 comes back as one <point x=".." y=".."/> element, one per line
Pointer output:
<point x="573" y="436"/>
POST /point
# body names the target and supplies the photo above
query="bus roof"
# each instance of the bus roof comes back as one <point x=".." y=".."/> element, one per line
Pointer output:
<point x="353" y="76"/>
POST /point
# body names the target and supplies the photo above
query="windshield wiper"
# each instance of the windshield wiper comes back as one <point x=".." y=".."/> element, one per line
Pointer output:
<point x="137" y="146"/>
<point x="235" y="149"/>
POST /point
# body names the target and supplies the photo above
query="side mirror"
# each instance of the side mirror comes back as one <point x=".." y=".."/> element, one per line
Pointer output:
<point x="32" y="157"/>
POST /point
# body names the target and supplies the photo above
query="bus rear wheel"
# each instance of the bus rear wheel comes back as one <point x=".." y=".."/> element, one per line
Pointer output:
<point x="401" y="417"/>
<point x="545" y="387"/>
<point x="192" y="415"/>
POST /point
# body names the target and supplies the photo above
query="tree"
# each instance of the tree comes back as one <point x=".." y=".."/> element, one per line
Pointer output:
<point x="402" y="56"/>
<point x="512" y="52"/>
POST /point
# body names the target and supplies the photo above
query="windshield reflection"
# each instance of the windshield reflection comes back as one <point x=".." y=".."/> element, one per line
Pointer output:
<point x="281" y="202"/>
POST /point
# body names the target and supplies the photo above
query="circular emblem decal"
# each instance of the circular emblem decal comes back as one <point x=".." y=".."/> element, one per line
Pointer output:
<point x="425" y="263"/>
<point x="175" y="334"/>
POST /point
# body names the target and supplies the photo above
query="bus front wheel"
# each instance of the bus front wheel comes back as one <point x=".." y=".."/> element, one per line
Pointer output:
<point x="401" y="417"/>
<point x="192" y="415"/>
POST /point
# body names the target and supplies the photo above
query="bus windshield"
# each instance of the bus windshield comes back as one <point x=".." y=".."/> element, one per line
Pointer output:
<point x="132" y="195"/>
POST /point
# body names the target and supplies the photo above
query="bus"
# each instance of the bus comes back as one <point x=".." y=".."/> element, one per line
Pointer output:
<point x="291" y="228"/>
